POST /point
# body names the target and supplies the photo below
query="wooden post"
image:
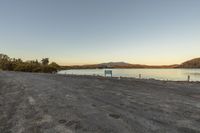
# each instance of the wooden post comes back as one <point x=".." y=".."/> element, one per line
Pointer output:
<point x="140" y="76"/>
<point x="188" y="78"/>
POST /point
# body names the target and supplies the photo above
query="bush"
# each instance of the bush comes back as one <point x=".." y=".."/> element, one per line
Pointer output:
<point x="49" y="69"/>
<point x="10" y="64"/>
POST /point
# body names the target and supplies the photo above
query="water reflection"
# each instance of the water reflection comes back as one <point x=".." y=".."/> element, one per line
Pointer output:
<point x="161" y="74"/>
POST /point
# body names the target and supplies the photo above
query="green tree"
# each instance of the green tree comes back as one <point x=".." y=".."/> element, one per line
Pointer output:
<point x="12" y="64"/>
<point x="45" y="61"/>
<point x="4" y="62"/>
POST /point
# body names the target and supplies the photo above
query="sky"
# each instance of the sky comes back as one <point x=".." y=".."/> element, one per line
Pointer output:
<point x="75" y="32"/>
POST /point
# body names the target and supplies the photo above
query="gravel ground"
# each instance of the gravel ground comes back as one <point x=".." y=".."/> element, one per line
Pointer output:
<point x="48" y="103"/>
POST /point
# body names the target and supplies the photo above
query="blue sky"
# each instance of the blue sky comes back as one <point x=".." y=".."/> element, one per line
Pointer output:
<point x="93" y="31"/>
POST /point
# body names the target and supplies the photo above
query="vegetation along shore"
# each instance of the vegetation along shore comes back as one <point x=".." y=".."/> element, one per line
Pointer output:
<point x="13" y="64"/>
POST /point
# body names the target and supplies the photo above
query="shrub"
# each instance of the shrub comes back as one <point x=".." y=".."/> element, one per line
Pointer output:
<point x="12" y="64"/>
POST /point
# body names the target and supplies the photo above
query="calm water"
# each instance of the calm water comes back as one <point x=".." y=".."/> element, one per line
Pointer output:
<point x="161" y="74"/>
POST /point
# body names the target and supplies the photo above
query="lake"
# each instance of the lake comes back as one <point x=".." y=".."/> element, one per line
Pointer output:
<point x="161" y="74"/>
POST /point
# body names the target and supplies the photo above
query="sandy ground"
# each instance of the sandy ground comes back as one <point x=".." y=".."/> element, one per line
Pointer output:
<point x="45" y="103"/>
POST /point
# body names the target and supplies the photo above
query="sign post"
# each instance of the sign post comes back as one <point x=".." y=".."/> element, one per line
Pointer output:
<point x="108" y="72"/>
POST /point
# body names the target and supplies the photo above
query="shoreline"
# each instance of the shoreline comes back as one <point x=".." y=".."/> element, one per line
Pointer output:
<point x="192" y="75"/>
<point x="131" y="78"/>
<point x="113" y="77"/>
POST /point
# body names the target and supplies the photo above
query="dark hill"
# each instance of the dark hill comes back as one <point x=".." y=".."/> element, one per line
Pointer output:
<point x="194" y="63"/>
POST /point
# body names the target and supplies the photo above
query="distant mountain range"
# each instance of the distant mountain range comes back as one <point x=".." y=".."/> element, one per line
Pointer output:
<point x="128" y="65"/>
<point x="114" y="64"/>
<point x="194" y="63"/>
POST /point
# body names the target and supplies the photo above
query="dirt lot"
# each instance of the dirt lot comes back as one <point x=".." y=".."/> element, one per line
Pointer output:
<point x="45" y="103"/>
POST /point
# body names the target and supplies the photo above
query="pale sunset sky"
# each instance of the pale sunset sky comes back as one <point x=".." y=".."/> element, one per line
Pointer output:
<point x="69" y="32"/>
